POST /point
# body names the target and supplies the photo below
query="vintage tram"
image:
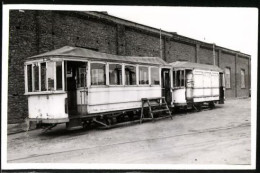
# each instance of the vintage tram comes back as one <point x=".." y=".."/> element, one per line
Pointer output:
<point x="195" y="85"/>
<point x="80" y="86"/>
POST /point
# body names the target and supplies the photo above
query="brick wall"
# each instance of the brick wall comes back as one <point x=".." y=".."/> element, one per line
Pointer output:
<point x="34" y="32"/>
<point x="22" y="43"/>
<point x="141" y="44"/>
<point x="179" y="51"/>
<point x="205" y="56"/>
<point x="242" y="63"/>
<point x="227" y="60"/>
<point x="216" y="58"/>
<point x="77" y="30"/>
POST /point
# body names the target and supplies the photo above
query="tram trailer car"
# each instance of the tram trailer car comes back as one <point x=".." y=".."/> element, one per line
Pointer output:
<point x="195" y="85"/>
<point x="79" y="86"/>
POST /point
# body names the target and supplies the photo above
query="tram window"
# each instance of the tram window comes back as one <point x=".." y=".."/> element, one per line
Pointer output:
<point x="98" y="74"/>
<point x="50" y="75"/>
<point x="36" y="77"/>
<point x="180" y="79"/>
<point x="143" y="75"/>
<point x="81" y="77"/>
<point x="155" y="76"/>
<point x="130" y="75"/>
<point x="115" y="74"/>
<point x="174" y="78"/>
<point x="29" y="77"/>
<point x="43" y="77"/>
<point x="59" y="75"/>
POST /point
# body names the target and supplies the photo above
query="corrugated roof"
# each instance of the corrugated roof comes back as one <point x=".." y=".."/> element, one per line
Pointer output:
<point x="73" y="52"/>
<point x="191" y="65"/>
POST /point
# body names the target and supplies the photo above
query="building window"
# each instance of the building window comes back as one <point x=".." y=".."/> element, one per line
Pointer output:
<point x="43" y="77"/>
<point x="115" y="74"/>
<point x="243" y="78"/>
<point x="227" y="77"/>
<point x="50" y="75"/>
<point x="130" y="75"/>
<point x="29" y="78"/>
<point x="98" y="74"/>
<point x="143" y="76"/>
<point x="155" y="76"/>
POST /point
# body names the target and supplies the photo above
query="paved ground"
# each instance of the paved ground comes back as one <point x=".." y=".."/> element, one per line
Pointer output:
<point x="219" y="136"/>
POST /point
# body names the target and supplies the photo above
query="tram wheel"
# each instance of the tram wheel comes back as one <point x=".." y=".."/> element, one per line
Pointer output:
<point x="211" y="105"/>
<point x="199" y="107"/>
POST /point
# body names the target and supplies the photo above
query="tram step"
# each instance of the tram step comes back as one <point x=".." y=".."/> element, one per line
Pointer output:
<point x="160" y="110"/>
<point x="162" y="104"/>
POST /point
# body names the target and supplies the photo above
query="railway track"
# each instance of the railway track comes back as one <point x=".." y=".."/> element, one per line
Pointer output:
<point x="190" y="133"/>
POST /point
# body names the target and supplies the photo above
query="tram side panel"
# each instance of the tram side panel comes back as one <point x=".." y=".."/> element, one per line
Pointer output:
<point x="206" y="86"/>
<point x="107" y="99"/>
<point x="200" y="86"/>
<point x="49" y="108"/>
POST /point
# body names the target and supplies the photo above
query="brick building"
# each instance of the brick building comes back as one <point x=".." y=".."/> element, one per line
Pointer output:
<point x="34" y="32"/>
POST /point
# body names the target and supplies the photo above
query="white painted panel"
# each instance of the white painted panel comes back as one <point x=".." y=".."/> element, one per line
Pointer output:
<point x="207" y="79"/>
<point x="197" y="92"/>
<point x="204" y="99"/>
<point x="206" y="85"/>
<point x="198" y="79"/>
<point x="215" y="80"/>
<point x="50" y="106"/>
<point x="102" y="99"/>
<point x="178" y="95"/>
<point x="114" y="107"/>
<point x="215" y="91"/>
<point x="207" y="92"/>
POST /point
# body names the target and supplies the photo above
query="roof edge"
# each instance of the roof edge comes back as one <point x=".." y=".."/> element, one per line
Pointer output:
<point x="173" y="35"/>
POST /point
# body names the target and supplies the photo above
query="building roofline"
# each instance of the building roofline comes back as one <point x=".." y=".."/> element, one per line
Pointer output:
<point x="127" y="22"/>
<point x="173" y="35"/>
<point x="209" y="45"/>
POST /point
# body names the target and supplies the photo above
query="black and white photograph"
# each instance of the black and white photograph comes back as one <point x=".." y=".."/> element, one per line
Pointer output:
<point x="129" y="87"/>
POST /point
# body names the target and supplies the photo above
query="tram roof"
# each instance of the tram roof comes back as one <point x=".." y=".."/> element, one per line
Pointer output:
<point x="83" y="53"/>
<point x="191" y="65"/>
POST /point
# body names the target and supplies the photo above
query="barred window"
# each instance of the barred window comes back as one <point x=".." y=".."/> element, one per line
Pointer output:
<point x="243" y="78"/>
<point x="178" y="78"/>
<point x="115" y="74"/>
<point x="43" y="77"/>
<point x="227" y="77"/>
<point x="130" y="75"/>
<point x="59" y="75"/>
<point x="98" y="74"/>
<point x="29" y="77"/>
<point x="36" y="77"/>
<point x="155" y="76"/>
<point x="143" y="75"/>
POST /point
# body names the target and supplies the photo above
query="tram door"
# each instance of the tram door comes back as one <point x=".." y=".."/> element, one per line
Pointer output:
<point x="75" y="81"/>
<point x="221" y="88"/>
<point x="166" y="85"/>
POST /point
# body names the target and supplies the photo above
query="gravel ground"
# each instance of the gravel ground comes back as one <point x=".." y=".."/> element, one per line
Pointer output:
<point x="218" y="136"/>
